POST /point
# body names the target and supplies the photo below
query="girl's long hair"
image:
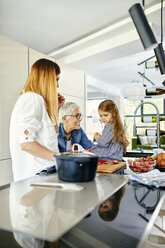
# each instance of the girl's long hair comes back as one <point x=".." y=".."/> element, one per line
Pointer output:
<point x="42" y="80"/>
<point x="118" y="127"/>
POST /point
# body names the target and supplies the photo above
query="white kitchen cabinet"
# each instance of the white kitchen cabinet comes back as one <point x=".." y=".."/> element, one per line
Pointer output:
<point x="35" y="55"/>
<point x="73" y="86"/>
<point x="6" y="175"/>
<point x="13" y="75"/>
<point x="71" y="81"/>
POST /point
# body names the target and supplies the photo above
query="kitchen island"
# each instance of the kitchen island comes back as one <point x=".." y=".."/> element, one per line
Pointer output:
<point x="73" y="217"/>
<point x="45" y="208"/>
<point x="126" y="230"/>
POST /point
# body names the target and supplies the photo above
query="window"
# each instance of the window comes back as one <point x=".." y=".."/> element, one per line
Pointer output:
<point x="93" y="123"/>
<point x="149" y="109"/>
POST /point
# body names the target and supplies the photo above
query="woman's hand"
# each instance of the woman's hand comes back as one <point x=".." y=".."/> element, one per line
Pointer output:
<point x="96" y="136"/>
<point x="125" y="150"/>
<point x="61" y="101"/>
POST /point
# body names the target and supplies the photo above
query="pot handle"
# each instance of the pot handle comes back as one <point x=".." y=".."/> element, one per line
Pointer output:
<point x="76" y="148"/>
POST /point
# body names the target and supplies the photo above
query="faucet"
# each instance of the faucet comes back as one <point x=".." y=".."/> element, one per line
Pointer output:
<point x="158" y="122"/>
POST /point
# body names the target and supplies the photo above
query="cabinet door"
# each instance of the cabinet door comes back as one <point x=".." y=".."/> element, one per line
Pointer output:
<point x="13" y="75"/>
<point x="35" y="55"/>
<point x="6" y="175"/>
<point x="71" y="81"/>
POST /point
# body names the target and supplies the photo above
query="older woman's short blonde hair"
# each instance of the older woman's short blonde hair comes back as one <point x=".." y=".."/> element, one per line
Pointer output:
<point x="67" y="109"/>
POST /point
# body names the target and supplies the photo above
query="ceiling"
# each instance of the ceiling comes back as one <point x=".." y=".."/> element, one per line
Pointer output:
<point x="96" y="36"/>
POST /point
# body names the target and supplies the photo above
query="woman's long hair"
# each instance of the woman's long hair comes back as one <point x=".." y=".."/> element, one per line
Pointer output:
<point x="42" y="80"/>
<point x="118" y="128"/>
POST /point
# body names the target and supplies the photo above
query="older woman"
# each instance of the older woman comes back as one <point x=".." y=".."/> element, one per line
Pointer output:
<point x="70" y="131"/>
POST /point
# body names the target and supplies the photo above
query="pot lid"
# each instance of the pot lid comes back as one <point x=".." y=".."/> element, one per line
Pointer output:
<point x="76" y="154"/>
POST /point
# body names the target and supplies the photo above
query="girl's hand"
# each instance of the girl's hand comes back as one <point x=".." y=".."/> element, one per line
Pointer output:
<point x="97" y="136"/>
<point x="61" y="101"/>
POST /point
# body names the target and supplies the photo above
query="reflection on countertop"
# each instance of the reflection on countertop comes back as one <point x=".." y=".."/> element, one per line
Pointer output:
<point x="154" y="235"/>
<point x="35" y="213"/>
<point x="136" y="205"/>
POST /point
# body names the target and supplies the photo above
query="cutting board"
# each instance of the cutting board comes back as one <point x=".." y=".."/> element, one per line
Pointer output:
<point x="110" y="167"/>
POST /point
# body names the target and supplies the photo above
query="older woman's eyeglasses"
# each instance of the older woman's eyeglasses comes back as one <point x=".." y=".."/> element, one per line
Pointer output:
<point x="78" y="116"/>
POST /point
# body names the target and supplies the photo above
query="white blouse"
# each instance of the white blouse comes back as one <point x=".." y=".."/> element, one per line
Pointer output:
<point x="30" y="114"/>
<point x="69" y="145"/>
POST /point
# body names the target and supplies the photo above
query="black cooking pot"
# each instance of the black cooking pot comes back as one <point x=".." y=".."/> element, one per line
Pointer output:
<point x="76" y="167"/>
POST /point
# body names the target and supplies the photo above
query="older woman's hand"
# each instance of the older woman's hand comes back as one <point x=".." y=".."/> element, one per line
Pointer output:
<point x="61" y="100"/>
<point x="96" y="136"/>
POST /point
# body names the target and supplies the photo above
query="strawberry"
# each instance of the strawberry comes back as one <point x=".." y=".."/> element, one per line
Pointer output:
<point x="115" y="162"/>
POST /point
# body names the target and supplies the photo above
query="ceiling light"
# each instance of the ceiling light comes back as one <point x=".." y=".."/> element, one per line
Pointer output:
<point x="160" y="56"/>
<point x="143" y="28"/>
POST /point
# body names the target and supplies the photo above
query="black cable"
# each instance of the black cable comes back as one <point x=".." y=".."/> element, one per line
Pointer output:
<point x="146" y="60"/>
<point x="143" y="76"/>
<point x="161" y="22"/>
<point x="143" y="3"/>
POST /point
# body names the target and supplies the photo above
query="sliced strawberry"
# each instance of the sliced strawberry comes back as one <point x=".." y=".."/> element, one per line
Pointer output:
<point x="115" y="162"/>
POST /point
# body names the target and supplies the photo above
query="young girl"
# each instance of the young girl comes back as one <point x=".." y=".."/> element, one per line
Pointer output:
<point x="113" y="142"/>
